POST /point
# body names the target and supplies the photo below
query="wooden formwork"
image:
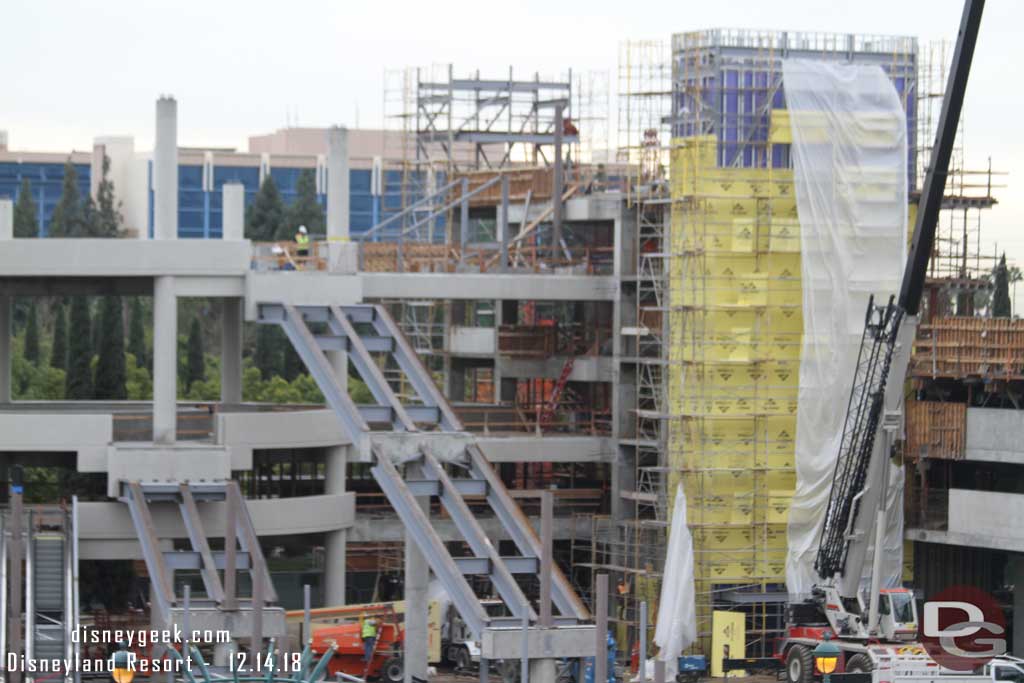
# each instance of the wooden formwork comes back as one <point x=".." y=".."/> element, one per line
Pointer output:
<point x="537" y="182"/>
<point x="957" y="348"/>
<point x="935" y="430"/>
<point x="417" y="257"/>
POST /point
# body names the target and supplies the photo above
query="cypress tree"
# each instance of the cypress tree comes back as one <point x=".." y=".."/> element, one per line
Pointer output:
<point x="31" y="352"/>
<point x="266" y="215"/>
<point x="304" y="210"/>
<point x="25" y="212"/>
<point x="195" y="365"/>
<point x="108" y="220"/>
<point x="1001" y="295"/>
<point x="111" y="373"/>
<point x="293" y="366"/>
<point x="78" y="383"/>
<point x="59" y="349"/>
<point x="137" y="333"/>
<point x="267" y="357"/>
<point x="69" y="219"/>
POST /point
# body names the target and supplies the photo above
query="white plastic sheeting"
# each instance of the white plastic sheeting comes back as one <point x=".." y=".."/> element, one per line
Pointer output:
<point x="850" y="170"/>
<point x="677" y="609"/>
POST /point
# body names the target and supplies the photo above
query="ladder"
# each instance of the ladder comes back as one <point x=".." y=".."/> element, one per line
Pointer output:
<point x="420" y="451"/>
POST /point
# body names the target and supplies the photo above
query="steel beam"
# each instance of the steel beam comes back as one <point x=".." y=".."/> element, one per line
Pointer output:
<point x="369" y="371"/>
<point x="197" y="537"/>
<point x="518" y="527"/>
<point x="470" y="529"/>
<point x="440" y="560"/>
<point x="250" y="543"/>
<point x="163" y="588"/>
<point x="323" y="372"/>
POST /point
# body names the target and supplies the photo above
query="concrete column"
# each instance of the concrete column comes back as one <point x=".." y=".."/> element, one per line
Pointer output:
<point x="231" y="350"/>
<point x="165" y="360"/>
<point x="417" y="576"/>
<point x="6" y="219"/>
<point x="1015" y="575"/>
<point x="337" y="184"/>
<point x="99" y="153"/>
<point x="337" y="541"/>
<point x="233" y="207"/>
<point x="165" y="170"/>
<point x="542" y="671"/>
<point x="5" y="348"/>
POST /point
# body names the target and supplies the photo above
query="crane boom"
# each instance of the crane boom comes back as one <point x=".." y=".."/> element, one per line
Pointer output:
<point x="875" y="409"/>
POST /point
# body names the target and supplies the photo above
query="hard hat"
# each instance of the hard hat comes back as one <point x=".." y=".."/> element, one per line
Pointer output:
<point x="302" y="229"/>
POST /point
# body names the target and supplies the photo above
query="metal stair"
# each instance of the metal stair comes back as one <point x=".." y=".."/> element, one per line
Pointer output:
<point x="421" y="450"/>
<point x="221" y="602"/>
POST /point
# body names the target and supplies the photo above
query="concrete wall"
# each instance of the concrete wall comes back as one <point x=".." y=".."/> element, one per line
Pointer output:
<point x="472" y="286"/>
<point x="994" y="435"/>
<point x="472" y="340"/>
<point x="301" y="288"/>
<point x="123" y="258"/>
<point x="584" y="369"/>
<point x="987" y="513"/>
<point x="106" y="529"/>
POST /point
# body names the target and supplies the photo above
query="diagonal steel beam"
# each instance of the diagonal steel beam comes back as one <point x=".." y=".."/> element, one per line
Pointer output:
<point x="250" y="542"/>
<point x="430" y="544"/>
<point x="478" y="542"/>
<point x="197" y="536"/>
<point x="414" y="370"/>
<point x="369" y="371"/>
<point x="163" y="589"/>
<point x="517" y="525"/>
<point x="335" y="393"/>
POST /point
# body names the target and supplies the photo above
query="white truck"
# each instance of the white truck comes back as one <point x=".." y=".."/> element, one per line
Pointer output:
<point x="895" y="664"/>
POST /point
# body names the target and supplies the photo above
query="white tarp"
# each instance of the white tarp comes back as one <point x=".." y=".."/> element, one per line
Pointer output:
<point x="850" y="170"/>
<point x="677" y="610"/>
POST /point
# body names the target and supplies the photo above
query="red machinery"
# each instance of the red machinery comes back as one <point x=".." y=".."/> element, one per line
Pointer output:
<point x="386" y="661"/>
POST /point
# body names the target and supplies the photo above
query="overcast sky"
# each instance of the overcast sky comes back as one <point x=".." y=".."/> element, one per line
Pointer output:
<point x="77" y="69"/>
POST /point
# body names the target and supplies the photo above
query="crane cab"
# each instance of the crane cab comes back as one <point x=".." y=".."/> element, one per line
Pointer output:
<point x="897" y="615"/>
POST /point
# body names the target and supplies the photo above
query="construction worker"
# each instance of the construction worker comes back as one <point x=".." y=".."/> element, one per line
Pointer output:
<point x="302" y="242"/>
<point x="368" y="632"/>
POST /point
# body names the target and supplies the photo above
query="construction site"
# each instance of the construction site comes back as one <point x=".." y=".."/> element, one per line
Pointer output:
<point x="587" y="382"/>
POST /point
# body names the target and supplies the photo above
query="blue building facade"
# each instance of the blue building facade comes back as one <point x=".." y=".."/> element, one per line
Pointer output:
<point x="46" y="181"/>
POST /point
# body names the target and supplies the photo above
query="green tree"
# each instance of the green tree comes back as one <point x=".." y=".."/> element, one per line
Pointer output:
<point x="69" y="215"/>
<point x="305" y="210"/>
<point x="25" y="213"/>
<point x="108" y="220"/>
<point x="1001" y="294"/>
<point x="195" y="367"/>
<point x="137" y="332"/>
<point x="266" y="214"/>
<point x="111" y="373"/>
<point x="293" y="366"/>
<point x="268" y="357"/>
<point x="79" y="377"/>
<point x="139" y="384"/>
<point x="31" y="351"/>
<point x="59" y="348"/>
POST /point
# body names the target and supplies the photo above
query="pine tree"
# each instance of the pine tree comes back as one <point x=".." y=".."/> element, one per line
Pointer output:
<point x="78" y="385"/>
<point x="137" y="333"/>
<point x="69" y="219"/>
<point x="304" y="210"/>
<point x="266" y="214"/>
<point x="59" y="349"/>
<point x="195" y="365"/>
<point x="1001" y="295"/>
<point x="111" y="373"/>
<point x="25" y="223"/>
<point x="267" y="357"/>
<point x="31" y="352"/>
<point x="108" y="218"/>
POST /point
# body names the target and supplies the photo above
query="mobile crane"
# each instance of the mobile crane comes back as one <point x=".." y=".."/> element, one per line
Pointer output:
<point x="856" y="514"/>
